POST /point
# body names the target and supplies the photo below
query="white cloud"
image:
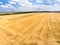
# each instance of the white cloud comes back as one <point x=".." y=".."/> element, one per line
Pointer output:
<point x="1" y="2"/>
<point x="7" y="6"/>
<point x="10" y="6"/>
<point x="16" y="0"/>
<point x="11" y="2"/>
<point x="25" y="5"/>
<point x="22" y="2"/>
<point x="3" y="6"/>
<point x="48" y="8"/>
<point x="58" y="0"/>
<point x="39" y="1"/>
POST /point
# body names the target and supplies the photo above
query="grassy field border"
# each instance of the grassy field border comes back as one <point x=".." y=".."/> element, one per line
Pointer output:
<point x="10" y="13"/>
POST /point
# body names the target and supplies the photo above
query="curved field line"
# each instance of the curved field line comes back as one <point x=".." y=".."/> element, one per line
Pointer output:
<point x="34" y="29"/>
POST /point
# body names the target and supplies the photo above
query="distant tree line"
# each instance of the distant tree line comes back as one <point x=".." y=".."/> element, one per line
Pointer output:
<point x="10" y="13"/>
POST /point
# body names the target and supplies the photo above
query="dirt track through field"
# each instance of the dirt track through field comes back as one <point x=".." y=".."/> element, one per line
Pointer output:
<point x="30" y="29"/>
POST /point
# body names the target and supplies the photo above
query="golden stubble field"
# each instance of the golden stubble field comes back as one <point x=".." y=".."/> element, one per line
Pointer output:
<point x="30" y="29"/>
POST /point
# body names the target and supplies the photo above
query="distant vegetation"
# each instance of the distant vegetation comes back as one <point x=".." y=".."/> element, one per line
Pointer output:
<point x="5" y="13"/>
<point x="10" y="13"/>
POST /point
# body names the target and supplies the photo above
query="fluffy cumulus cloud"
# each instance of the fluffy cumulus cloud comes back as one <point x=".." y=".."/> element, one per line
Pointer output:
<point x="31" y="5"/>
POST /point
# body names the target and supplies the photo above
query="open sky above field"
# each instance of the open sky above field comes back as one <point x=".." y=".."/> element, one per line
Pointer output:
<point x="29" y="5"/>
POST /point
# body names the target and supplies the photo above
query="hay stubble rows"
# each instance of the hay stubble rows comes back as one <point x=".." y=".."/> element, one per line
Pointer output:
<point x="30" y="29"/>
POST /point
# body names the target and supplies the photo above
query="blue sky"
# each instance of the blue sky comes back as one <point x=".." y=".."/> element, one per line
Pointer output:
<point x="29" y="5"/>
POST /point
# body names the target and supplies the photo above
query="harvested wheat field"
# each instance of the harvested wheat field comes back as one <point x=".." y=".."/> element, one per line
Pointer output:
<point x="30" y="29"/>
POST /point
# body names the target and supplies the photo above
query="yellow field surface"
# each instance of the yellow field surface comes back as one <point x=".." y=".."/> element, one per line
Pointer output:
<point x="30" y="29"/>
